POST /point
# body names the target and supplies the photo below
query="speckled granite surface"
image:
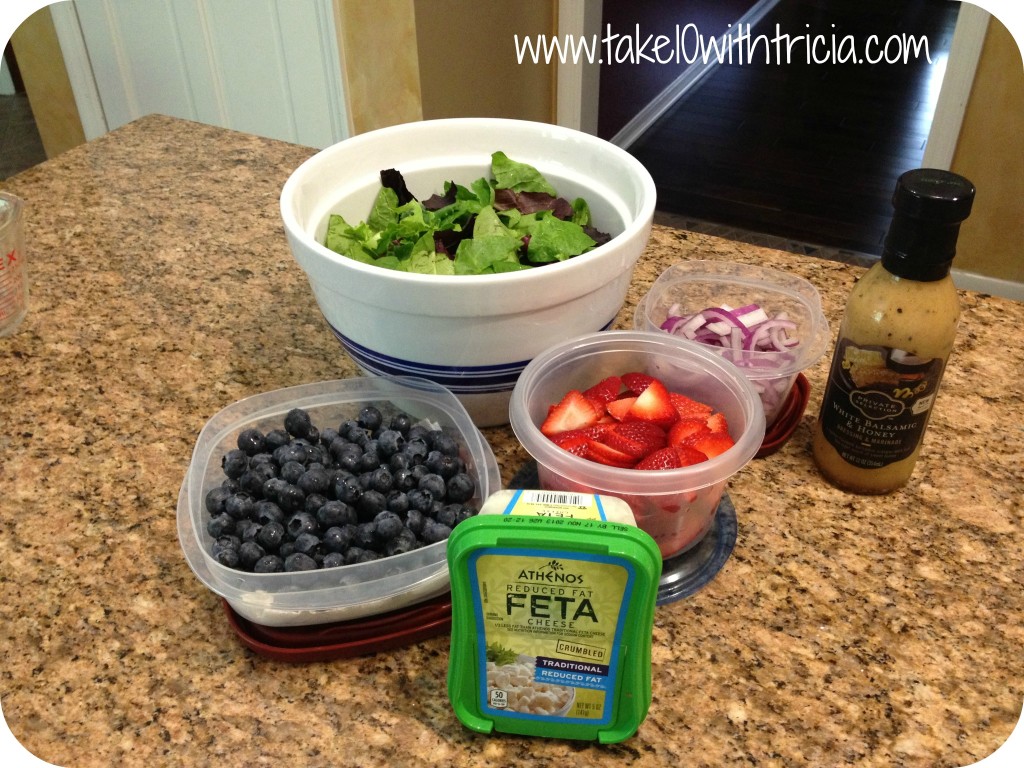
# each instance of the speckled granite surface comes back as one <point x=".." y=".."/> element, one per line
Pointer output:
<point x="843" y="630"/>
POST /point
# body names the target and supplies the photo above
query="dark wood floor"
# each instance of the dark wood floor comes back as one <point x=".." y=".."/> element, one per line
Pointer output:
<point x="804" y="151"/>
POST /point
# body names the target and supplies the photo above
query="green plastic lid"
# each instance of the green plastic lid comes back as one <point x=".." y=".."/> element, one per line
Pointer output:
<point x="552" y="620"/>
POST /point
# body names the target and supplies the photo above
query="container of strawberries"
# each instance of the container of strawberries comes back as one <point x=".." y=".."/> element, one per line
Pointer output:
<point x="658" y="421"/>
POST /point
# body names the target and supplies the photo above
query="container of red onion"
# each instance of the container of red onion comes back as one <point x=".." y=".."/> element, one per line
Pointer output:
<point x="766" y="322"/>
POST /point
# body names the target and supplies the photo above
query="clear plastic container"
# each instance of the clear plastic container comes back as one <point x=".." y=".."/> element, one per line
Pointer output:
<point x="675" y="506"/>
<point x="345" y="592"/>
<point x="693" y="286"/>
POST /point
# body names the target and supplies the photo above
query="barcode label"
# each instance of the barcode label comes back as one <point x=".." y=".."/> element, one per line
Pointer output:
<point x="560" y="498"/>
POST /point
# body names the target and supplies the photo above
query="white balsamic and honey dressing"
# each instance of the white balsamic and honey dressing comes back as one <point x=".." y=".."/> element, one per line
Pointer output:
<point x="896" y="335"/>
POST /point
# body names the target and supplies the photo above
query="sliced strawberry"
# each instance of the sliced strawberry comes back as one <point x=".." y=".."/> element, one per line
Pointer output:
<point x="688" y="455"/>
<point x="593" y="432"/>
<point x="713" y="445"/>
<point x="574" y="442"/>
<point x="685" y="429"/>
<point x="636" y="382"/>
<point x="637" y="438"/>
<point x="574" y="411"/>
<point x="717" y="423"/>
<point x="666" y="458"/>
<point x="605" y="454"/>
<point x="688" y="408"/>
<point x="619" y="409"/>
<point x="604" y="391"/>
<point x="654" y="405"/>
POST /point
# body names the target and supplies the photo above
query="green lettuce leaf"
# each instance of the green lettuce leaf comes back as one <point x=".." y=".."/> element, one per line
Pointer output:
<point x="520" y="177"/>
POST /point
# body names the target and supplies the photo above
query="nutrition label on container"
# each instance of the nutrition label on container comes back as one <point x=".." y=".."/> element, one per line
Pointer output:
<point x="550" y="623"/>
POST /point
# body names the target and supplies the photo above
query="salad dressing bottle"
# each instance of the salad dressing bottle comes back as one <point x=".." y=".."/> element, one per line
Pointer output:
<point x="895" y="337"/>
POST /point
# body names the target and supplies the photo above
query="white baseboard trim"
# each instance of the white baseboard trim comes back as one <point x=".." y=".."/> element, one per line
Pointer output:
<point x="683" y="84"/>
<point x="995" y="286"/>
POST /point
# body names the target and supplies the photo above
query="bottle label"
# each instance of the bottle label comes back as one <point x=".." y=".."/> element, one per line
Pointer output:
<point x="877" y="403"/>
<point x="549" y="626"/>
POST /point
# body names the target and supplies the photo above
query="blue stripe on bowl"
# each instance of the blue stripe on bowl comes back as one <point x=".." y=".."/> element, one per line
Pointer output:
<point x="481" y="379"/>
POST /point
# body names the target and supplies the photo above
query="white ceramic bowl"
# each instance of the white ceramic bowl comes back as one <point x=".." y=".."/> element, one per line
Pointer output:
<point x="473" y="334"/>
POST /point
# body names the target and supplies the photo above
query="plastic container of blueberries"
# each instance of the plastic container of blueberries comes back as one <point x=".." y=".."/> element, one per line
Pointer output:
<point x="343" y="593"/>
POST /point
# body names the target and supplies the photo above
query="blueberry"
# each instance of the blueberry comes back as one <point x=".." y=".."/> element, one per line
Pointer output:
<point x="404" y="480"/>
<point x="416" y="450"/>
<point x="227" y="557"/>
<point x="415" y="520"/>
<point x="239" y="506"/>
<point x="292" y="470"/>
<point x="447" y="515"/>
<point x="315" y="480"/>
<point x="465" y="512"/>
<point x="365" y="536"/>
<point x="387" y="525"/>
<point x="248" y="553"/>
<point x="252" y="481"/>
<point x="248" y="530"/>
<point x="291" y="498"/>
<point x="389" y="442"/>
<point x="381" y="480"/>
<point x="275" y="439"/>
<point x="272" y="489"/>
<point x="370" y="418"/>
<point x="234" y="463"/>
<point x="250" y="441"/>
<point x="348" y="490"/>
<point x="270" y="536"/>
<point x="339" y="538"/>
<point x="335" y="513"/>
<point x="434" y="532"/>
<point x="309" y="544"/>
<point x="313" y="503"/>
<point x="333" y="560"/>
<point x="286" y="548"/>
<point x="215" y="500"/>
<point x="354" y="555"/>
<point x="445" y="443"/>
<point x="434" y="485"/>
<point x="398" y="502"/>
<point x="221" y="525"/>
<point x="440" y="464"/>
<point x="350" y="429"/>
<point x="399" y="461"/>
<point x="460" y="488"/>
<point x="302" y="522"/>
<point x="293" y="451"/>
<point x="404" y="542"/>
<point x="299" y="562"/>
<point x="229" y="541"/>
<point x="371" y="504"/>
<point x="298" y="423"/>
<point x="419" y="500"/>
<point x="328" y="435"/>
<point x="269" y="564"/>
<point x="417" y="432"/>
<point x="401" y="422"/>
<point x="370" y="459"/>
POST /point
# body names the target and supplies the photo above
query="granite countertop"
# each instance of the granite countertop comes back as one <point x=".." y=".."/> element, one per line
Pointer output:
<point x="843" y="630"/>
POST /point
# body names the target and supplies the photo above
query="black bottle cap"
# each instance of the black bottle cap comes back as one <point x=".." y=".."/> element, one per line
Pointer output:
<point x="929" y="206"/>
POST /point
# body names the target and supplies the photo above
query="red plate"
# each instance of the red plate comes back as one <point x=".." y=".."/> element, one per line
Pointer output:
<point x="789" y="417"/>
<point x="344" y="639"/>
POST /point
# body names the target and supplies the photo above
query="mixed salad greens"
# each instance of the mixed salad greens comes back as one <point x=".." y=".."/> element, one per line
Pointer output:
<point x="513" y="221"/>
